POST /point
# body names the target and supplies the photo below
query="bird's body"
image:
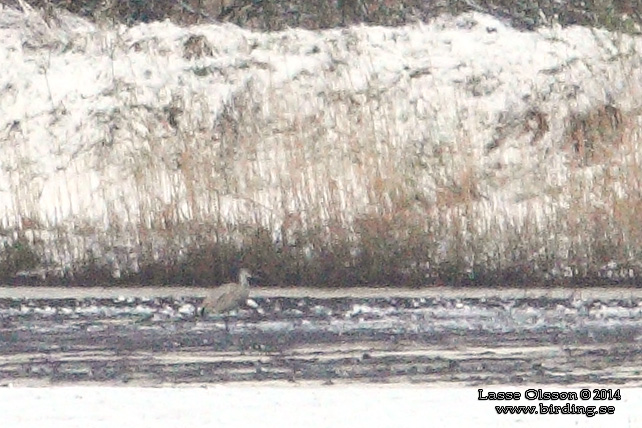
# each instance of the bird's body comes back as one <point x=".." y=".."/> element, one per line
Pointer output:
<point x="228" y="297"/>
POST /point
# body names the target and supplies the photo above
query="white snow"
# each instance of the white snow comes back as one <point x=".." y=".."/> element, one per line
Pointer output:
<point x="293" y="406"/>
<point x="86" y="143"/>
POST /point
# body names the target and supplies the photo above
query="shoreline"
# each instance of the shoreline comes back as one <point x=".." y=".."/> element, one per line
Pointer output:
<point x="7" y="292"/>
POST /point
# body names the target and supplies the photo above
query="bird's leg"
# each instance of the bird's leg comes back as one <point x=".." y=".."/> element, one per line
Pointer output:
<point x="227" y="326"/>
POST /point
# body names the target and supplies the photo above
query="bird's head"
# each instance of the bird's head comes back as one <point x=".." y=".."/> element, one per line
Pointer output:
<point x="245" y="274"/>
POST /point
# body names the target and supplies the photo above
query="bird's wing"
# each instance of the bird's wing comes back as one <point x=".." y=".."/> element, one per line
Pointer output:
<point x="212" y="298"/>
<point x="225" y="297"/>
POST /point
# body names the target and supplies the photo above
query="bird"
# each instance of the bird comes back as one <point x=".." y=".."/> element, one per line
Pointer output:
<point x="228" y="297"/>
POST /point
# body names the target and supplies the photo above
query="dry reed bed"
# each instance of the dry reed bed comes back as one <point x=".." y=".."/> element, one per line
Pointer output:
<point x="461" y="151"/>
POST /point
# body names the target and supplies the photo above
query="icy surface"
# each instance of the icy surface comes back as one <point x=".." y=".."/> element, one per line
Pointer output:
<point x="311" y="406"/>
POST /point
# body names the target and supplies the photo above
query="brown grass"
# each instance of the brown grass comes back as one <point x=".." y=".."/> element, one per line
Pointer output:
<point x="401" y="233"/>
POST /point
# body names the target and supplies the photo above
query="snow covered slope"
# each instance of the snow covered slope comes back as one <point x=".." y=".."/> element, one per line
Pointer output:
<point x="115" y="128"/>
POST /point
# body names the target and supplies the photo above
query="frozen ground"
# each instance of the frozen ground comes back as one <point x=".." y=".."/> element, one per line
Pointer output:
<point x="304" y="358"/>
<point x="560" y="338"/>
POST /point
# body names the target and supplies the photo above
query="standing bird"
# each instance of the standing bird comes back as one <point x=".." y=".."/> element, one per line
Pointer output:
<point x="228" y="297"/>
